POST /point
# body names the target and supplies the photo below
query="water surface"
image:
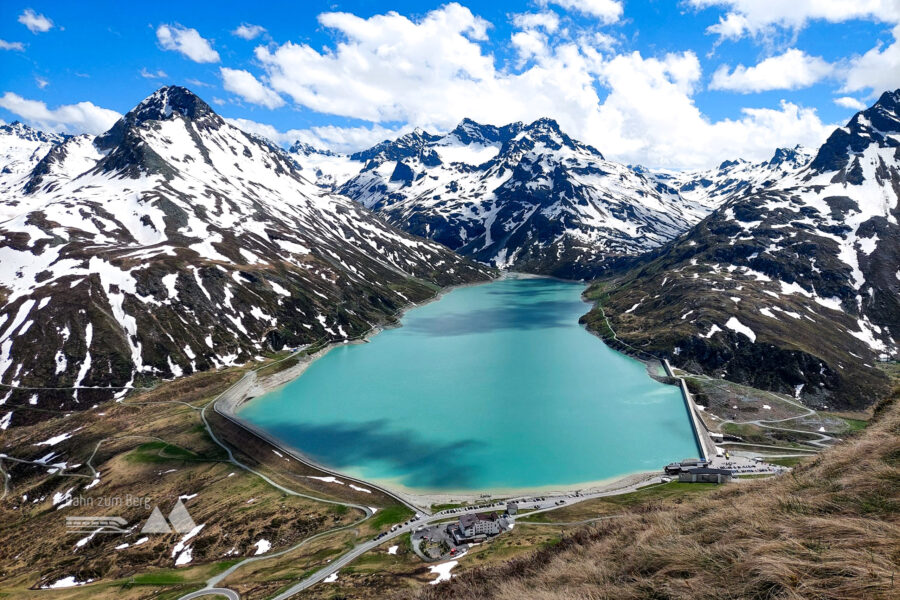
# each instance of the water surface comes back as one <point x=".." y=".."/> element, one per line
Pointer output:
<point x="491" y="387"/>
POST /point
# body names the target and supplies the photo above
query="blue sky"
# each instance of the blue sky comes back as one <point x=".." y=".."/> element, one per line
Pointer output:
<point x="660" y="82"/>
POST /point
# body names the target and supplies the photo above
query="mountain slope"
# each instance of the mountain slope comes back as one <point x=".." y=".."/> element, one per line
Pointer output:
<point x="176" y="243"/>
<point x="525" y="197"/>
<point x="794" y="288"/>
<point x="21" y="148"/>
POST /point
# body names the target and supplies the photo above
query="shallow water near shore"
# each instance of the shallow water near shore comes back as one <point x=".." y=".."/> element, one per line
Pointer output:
<point x="491" y="387"/>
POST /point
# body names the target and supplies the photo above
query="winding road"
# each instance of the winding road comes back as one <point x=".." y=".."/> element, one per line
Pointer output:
<point x="538" y="506"/>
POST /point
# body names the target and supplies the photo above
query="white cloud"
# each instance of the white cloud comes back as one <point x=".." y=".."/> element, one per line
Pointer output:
<point x="648" y="118"/>
<point x="188" y="42"/>
<point x="789" y="71"/>
<point x="600" y="40"/>
<point x="158" y="74"/>
<point x="548" y="20"/>
<point x="339" y="139"/>
<point x="83" y="117"/>
<point x="18" y="46"/>
<point x="248" y="31"/>
<point x="608" y="11"/>
<point x="34" y="22"/>
<point x="248" y="87"/>
<point x="41" y="82"/>
<point x="877" y="70"/>
<point x="434" y="71"/>
<point x="389" y="68"/>
<point x="753" y="17"/>
<point x="731" y="26"/>
<point x="348" y="139"/>
<point x="529" y="44"/>
<point x="849" y="102"/>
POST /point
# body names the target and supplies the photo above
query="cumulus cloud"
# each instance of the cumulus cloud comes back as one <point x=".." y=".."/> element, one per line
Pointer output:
<point x="649" y="118"/>
<point x="388" y="68"/>
<point x="83" y="117"/>
<point x="850" y="102"/>
<point x="876" y="70"/>
<point x="36" y="23"/>
<point x="248" y="87"/>
<point x="548" y="20"/>
<point x="433" y="71"/>
<point x="18" y="46"/>
<point x="529" y="44"/>
<point x="188" y="42"/>
<point x="248" y="31"/>
<point x="753" y="17"/>
<point x="789" y="71"/>
<point x="607" y="11"/>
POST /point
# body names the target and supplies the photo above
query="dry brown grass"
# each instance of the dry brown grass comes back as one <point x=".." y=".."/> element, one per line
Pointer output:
<point x="829" y="530"/>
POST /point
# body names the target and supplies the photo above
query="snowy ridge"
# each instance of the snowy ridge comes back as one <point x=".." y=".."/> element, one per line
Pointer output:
<point x="520" y="196"/>
<point x="714" y="187"/>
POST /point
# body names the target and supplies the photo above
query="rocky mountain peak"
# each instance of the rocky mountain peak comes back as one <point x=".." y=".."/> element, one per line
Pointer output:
<point x="308" y="149"/>
<point x="405" y="146"/>
<point x="545" y="124"/>
<point x="794" y="156"/>
<point x="870" y="126"/>
<point x="731" y="163"/>
<point x="25" y="132"/>
<point x="547" y="131"/>
<point x="472" y="132"/>
<point x="160" y="106"/>
<point x="885" y="114"/>
<point x="171" y="99"/>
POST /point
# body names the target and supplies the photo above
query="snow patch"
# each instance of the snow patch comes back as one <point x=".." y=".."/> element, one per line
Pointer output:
<point x="442" y="571"/>
<point x="262" y="546"/>
<point x="739" y="327"/>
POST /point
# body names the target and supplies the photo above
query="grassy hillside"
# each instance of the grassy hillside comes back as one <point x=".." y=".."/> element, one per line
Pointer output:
<point x="830" y="529"/>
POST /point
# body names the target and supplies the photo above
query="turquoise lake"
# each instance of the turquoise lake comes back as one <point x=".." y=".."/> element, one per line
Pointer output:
<point x="492" y="387"/>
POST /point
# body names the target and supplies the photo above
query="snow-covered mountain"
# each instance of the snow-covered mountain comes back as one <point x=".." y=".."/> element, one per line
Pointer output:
<point x="713" y="187"/>
<point x="175" y="243"/>
<point x="21" y="148"/>
<point x="527" y="197"/>
<point x="326" y="168"/>
<point x="794" y="287"/>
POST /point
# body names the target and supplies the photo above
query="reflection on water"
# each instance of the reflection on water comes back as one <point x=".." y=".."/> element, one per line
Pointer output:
<point x="492" y="386"/>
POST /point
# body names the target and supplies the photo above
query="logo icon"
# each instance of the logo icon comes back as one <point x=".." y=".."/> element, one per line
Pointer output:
<point x="180" y="519"/>
<point x="96" y="525"/>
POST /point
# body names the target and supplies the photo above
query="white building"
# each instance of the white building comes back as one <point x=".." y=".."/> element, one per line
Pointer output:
<point x="471" y="526"/>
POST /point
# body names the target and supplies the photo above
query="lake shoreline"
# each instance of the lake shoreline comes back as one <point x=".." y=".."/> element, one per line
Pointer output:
<point x="417" y="496"/>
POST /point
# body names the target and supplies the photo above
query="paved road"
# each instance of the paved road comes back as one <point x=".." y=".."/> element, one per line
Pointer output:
<point x="211" y="584"/>
<point x="539" y="506"/>
<point x="230" y="594"/>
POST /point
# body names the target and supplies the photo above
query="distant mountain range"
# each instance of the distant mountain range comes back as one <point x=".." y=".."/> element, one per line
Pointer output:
<point x="175" y="243"/>
<point x="524" y="197"/>
<point x="713" y="187"/>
